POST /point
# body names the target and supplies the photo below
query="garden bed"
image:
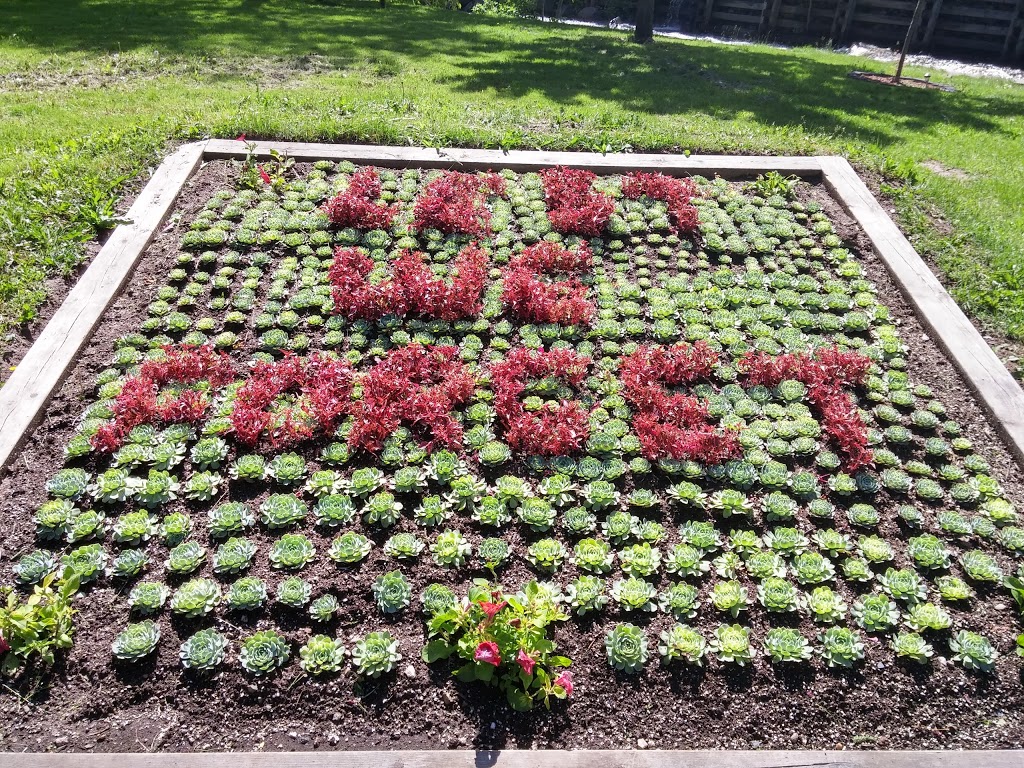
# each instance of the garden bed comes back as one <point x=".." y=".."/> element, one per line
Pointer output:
<point x="748" y="289"/>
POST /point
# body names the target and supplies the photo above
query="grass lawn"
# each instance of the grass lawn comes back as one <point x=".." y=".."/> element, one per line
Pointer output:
<point x="92" y="90"/>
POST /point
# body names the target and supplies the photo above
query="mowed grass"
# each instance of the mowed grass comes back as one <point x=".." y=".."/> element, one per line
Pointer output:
<point x="91" y="91"/>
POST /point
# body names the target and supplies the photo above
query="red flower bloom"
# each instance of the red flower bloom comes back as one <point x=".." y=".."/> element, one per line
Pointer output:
<point x="4" y="646"/>
<point x="526" y="662"/>
<point x="491" y="609"/>
<point x="488" y="653"/>
<point x="264" y="175"/>
<point x="565" y="680"/>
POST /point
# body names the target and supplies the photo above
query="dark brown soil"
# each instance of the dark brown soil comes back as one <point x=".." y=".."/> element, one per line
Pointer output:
<point x="903" y="82"/>
<point x="90" y="702"/>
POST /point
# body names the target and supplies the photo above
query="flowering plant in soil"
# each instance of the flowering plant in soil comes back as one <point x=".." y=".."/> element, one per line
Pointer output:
<point x="573" y="207"/>
<point x="504" y="641"/>
<point x="554" y="430"/>
<point x="533" y="300"/>
<point x="457" y="202"/>
<point x="825" y="373"/>
<point x="166" y="391"/>
<point x="417" y="385"/>
<point x="677" y="194"/>
<point x="674" y="425"/>
<point x="319" y="389"/>
<point x="411" y="289"/>
<point x="359" y="206"/>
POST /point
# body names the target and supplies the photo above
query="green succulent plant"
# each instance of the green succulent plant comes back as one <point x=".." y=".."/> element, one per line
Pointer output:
<point x="324" y="608"/>
<point x="910" y="645"/>
<point x="375" y="654"/>
<point x="682" y="642"/>
<point x="230" y="518"/>
<point x="34" y="566"/>
<point x="349" y="547"/>
<point x="186" y="557"/>
<point x="247" y="594"/>
<point x="287" y="468"/>
<point x="778" y="595"/>
<point x="322" y="655"/>
<point x="981" y="567"/>
<point x="264" y="652"/>
<point x="450" y="549"/>
<point x="626" y="647"/>
<point x="903" y="584"/>
<point x="137" y="641"/>
<point x="547" y="554"/>
<point x="974" y="651"/>
<point x="876" y="613"/>
<point x="203" y="651"/>
<point x="640" y="560"/>
<point x="250" y="468"/>
<point x="148" y="597"/>
<point x="281" y="510"/>
<point x="382" y="509"/>
<point x="783" y="644"/>
<point x="841" y="647"/>
<point x="731" y="643"/>
<point x="438" y="598"/>
<point x="634" y="594"/>
<point x="233" y="556"/>
<point x="392" y="592"/>
<point x="294" y="592"/>
<point x="196" y="598"/>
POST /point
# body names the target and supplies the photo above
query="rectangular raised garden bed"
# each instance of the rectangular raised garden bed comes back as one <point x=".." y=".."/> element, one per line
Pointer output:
<point x="691" y="453"/>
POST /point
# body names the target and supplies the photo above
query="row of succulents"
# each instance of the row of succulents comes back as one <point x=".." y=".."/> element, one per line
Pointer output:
<point x="905" y="547"/>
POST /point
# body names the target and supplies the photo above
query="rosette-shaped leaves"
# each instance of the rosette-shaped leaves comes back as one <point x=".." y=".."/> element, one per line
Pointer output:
<point x="593" y="555"/>
<point x="322" y="654"/>
<point x="586" y="594"/>
<point x="375" y="654"/>
<point x="281" y="510"/>
<point x="784" y="644"/>
<point x="682" y="642"/>
<point x="626" y="646"/>
<point x="392" y="592"/>
<point x="350" y="547"/>
<point x="233" y="556"/>
<point x="203" y="651"/>
<point x="910" y="645"/>
<point x="973" y="651"/>
<point x="137" y="641"/>
<point x="438" y="598"/>
<point x="450" y="549"/>
<point x="196" y="598"/>
<point x="841" y="647"/>
<point x="294" y="592"/>
<point x="640" y="559"/>
<point x="292" y="551"/>
<point x="731" y="643"/>
<point x="546" y="554"/>
<point x="634" y="594"/>
<point x="264" y="652"/>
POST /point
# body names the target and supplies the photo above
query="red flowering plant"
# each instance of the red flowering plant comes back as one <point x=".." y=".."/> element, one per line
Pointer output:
<point x="574" y="208"/>
<point x="359" y="205"/>
<point x="415" y="385"/>
<point x="677" y="194"/>
<point x="170" y="390"/>
<point x="534" y="300"/>
<point x="557" y="429"/>
<point x="674" y="424"/>
<point x="503" y="640"/>
<point x="292" y="399"/>
<point x="457" y="203"/>
<point x="412" y="287"/>
<point x="826" y="373"/>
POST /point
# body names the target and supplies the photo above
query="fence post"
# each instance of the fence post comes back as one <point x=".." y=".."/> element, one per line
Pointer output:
<point x="769" y="19"/>
<point x="1009" y="32"/>
<point x="709" y="8"/>
<point x="851" y="6"/>
<point x="929" y="29"/>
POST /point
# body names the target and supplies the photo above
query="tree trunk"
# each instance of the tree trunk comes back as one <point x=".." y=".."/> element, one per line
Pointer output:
<point x="644" y="32"/>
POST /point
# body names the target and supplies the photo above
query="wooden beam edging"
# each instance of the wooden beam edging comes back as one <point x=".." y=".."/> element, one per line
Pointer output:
<point x="26" y="393"/>
<point x="540" y="758"/>
<point x="726" y="166"/>
<point x="996" y="389"/>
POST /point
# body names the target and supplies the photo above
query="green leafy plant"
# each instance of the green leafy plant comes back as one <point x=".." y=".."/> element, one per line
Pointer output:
<point x="450" y="549"/>
<point x="586" y="594"/>
<point x="626" y="646"/>
<point x="136" y="641"/>
<point x="281" y="510"/>
<point x="635" y="594"/>
<point x="350" y="547"/>
<point x="876" y="613"/>
<point x="324" y="608"/>
<point x="203" y="651"/>
<point x="546" y="554"/>
<point x="730" y="597"/>
<point x="38" y="626"/>
<point x="294" y="592"/>
<point x="973" y="651"/>
<point x="322" y="655"/>
<point x="731" y="643"/>
<point x="783" y="644"/>
<point x="196" y="598"/>
<point x="292" y="551"/>
<point x="247" y="594"/>
<point x="841" y="647"/>
<point x="233" y="556"/>
<point x="910" y="645"/>
<point x="392" y="592"/>
<point x="264" y="652"/>
<point x="682" y="642"/>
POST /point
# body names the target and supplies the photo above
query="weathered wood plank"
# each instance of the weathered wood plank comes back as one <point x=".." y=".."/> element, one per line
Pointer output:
<point x="533" y="759"/>
<point x="727" y="166"/>
<point x="26" y="393"/>
<point x="997" y="390"/>
<point x="929" y="28"/>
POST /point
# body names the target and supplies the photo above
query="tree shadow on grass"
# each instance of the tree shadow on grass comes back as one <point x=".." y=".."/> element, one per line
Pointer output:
<point x="517" y="61"/>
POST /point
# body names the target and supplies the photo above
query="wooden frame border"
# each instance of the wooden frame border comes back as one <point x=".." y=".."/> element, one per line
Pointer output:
<point x="27" y="392"/>
<point x="540" y="758"/>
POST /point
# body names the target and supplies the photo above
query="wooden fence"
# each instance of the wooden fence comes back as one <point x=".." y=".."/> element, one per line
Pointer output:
<point x="992" y="29"/>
